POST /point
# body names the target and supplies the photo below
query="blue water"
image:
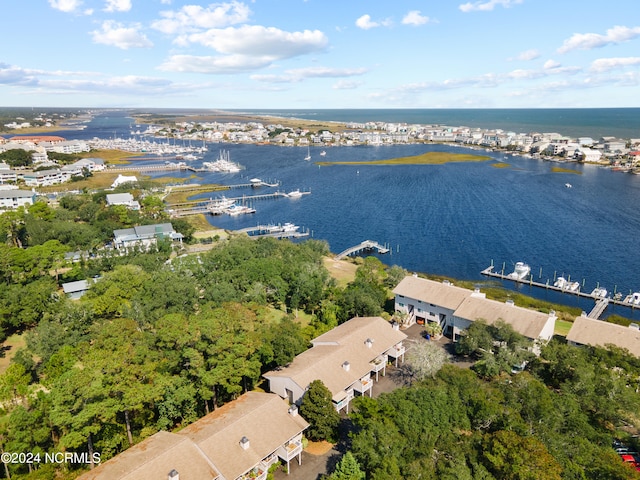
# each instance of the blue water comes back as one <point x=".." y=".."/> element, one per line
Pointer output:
<point x="452" y="219"/>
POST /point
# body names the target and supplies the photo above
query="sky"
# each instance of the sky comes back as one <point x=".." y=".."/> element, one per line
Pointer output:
<point x="306" y="54"/>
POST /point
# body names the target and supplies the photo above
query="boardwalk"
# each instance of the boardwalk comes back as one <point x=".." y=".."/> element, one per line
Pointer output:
<point x="366" y="245"/>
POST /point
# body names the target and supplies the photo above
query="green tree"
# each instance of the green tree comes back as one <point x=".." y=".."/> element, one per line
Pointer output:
<point x="347" y="469"/>
<point x="317" y="408"/>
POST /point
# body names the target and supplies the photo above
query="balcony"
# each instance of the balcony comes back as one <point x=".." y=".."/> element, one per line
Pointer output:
<point x="290" y="450"/>
<point x="363" y="385"/>
<point x="259" y="472"/>
<point x="396" y="352"/>
<point x="344" y="402"/>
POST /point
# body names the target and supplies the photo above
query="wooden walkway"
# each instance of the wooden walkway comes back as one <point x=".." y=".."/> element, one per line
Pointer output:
<point x="366" y="245"/>
<point x="598" y="309"/>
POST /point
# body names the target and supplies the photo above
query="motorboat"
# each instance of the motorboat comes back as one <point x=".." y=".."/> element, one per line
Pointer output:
<point x="323" y="153"/>
<point x="568" y="185"/>
<point x="219" y="206"/>
<point x="560" y="282"/>
<point x="223" y="164"/>
<point x="294" y="194"/>
<point x="289" y="227"/>
<point x="235" y="210"/>
<point x="599" y="292"/>
<point x="520" y="271"/>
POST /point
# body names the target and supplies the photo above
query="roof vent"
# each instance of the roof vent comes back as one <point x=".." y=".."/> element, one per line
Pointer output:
<point x="244" y="443"/>
<point x="173" y="475"/>
<point x="293" y="410"/>
<point x="510" y="302"/>
<point x="446" y="282"/>
<point x="369" y="342"/>
<point x="634" y="326"/>
<point x="346" y="366"/>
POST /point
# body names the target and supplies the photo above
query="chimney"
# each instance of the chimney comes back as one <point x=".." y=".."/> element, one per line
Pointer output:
<point x="293" y="410"/>
<point x="173" y="475"/>
<point x="368" y="342"/>
<point x="346" y="366"/>
<point x="244" y="443"/>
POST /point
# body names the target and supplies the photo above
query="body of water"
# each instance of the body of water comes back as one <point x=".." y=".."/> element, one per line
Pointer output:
<point x="452" y="219"/>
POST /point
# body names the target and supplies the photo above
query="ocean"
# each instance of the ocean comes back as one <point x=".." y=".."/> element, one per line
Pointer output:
<point x="455" y="219"/>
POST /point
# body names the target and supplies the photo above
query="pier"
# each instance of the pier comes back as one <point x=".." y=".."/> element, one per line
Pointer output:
<point x="366" y="245"/>
<point x="194" y="207"/>
<point x="598" y="309"/>
<point x="274" y="231"/>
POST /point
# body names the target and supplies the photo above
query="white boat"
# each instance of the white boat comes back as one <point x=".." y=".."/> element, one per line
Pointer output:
<point x="599" y="292"/>
<point x="223" y="164"/>
<point x="190" y="156"/>
<point x="520" y="272"/>
<point x="560" y="282"/>
<point x="308" y="157"/>
<point x="323" y="153"/>
<point x="289" y="227"/>
<point x="563" y="284"/>
<point x="568" y="185"/>
<point x="294" y="194"/>
<point x="218" y="206"/>
<point x="234" y="210"/>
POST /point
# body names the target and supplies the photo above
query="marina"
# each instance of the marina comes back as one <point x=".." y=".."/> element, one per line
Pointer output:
<point x="286" y="230"/>
<point x="563" y="285"/>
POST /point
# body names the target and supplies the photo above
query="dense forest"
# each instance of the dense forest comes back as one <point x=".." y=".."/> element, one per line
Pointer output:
<point x="160" y="339"/>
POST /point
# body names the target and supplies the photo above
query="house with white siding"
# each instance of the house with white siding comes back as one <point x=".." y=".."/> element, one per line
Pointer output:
<point x="12" y="199"/>
<point x="344" y="359"/>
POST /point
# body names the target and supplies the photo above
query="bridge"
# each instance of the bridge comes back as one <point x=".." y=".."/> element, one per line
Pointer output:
<point x="366" y="245"/>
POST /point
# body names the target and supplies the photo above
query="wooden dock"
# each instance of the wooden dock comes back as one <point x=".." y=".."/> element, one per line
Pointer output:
<point x="366" y="245"/>
<point x="598" y="309"/>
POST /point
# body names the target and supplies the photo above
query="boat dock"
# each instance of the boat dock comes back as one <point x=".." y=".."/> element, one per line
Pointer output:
<point x="274" y="231"/>
<point x="366" y="245"/>
<point x="598" y="309"/>
<point x="194" y="207"/>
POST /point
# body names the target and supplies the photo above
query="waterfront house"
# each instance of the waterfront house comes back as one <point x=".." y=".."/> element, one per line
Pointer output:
<point x="238" y="441"/>
<point x="7" y="175"/>
<point x="144" y="236"/>
<point x="43" y="178"/>
<point x="598" y="333"/>
<point x="12" y="199"/>
<point x="344" y="359"/>
<point x="421" y="300"/>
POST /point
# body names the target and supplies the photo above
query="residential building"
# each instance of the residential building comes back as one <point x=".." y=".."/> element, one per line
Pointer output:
<point x="7" y="175"/>
<point x="454" y="309"/>
<point x="238" y="441"/>
<point x="164" y="456"/>
<point x="598" y="333"/>
<point x="344" y="359"/>
<point x="12" y="199"/>
<point x="144" y="236"/>
<point x="43" y="178"/>
<point x="75" y="290"/>
<point x="124" y="179"/>
<point x="125" y="199"/>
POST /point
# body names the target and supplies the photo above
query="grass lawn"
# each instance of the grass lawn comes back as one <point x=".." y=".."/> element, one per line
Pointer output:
<point x="9" y="349"/>
<point x="342" y="271"/>
<point x="562" y="327"/>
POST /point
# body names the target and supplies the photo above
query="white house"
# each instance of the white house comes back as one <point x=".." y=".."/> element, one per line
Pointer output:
<point x="12" y="199"/>
<point x="144" y="236"/>
<point x="598" y="333"/>
<point x="238" y="441"/>
<point x="125" y="199"/>
<point x="124" y="179"/>
<point x="455" y="308"/>
<point x="43" y="178"/>
<point x="344" y="359"/>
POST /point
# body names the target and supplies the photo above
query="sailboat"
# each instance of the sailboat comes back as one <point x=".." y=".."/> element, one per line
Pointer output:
<point x="308" y="157"/>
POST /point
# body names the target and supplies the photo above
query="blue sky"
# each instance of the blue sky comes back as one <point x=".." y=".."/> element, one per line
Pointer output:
<point x="320" y="53"/>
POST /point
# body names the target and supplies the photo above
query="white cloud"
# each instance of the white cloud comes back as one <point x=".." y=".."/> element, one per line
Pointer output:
<point x="67" y="6"/>
<point x="588" y="41"/>
<point x="259" y="41"/>
<point x="528" y="55"/>
<point x="487" y="6"/>
<point x="117" y="35"/>
<point x="550" y="64"/>
<point x="606" y="64"/>
<point x="414" y="17"/>
<point x="365" y="23"/>
<point x="346" y="85"/>
<point x="326" y="72"/>
<point x="195" y="17"/>
<point x="117" y="6"/>
<point x="219" y="65"/>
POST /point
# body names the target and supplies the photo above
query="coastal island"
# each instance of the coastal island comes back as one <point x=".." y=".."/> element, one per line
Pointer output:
<point x="429" y="158"/>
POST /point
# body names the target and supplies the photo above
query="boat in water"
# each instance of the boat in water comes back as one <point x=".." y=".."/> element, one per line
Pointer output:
<point x="308" y="157"/>
<point x="234" y="210"/>
<point x="520" y="271"/>
<point x="223" y="164"/>
<point x="568" y="185"/>
<point x="564" y="284"/>
<point x="294" y="194"/>
<point x="323" y="153"/>
<point x="599" y="292"/>
<point x="219" y="206"/>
